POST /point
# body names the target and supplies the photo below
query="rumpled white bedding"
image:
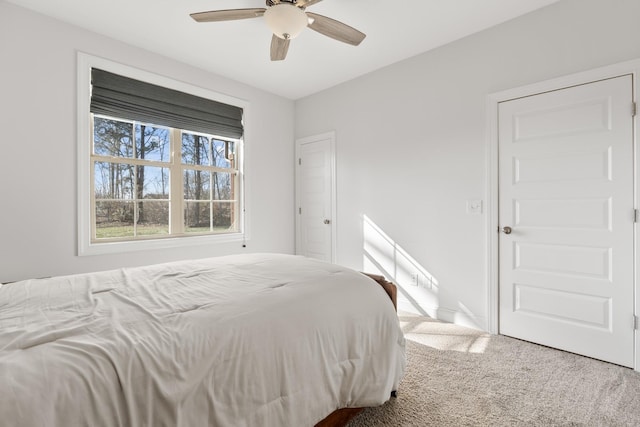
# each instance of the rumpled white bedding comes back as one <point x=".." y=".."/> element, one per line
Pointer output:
<point x="243" y="340"/>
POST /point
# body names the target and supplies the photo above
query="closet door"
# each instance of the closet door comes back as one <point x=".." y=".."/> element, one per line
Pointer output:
<point x="315" y="197"/>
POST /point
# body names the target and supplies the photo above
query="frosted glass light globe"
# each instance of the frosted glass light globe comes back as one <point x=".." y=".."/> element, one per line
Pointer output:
<point x="285" y="20"/>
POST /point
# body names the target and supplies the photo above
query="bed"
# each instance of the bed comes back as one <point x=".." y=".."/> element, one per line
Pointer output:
<point x="242" y="340"/>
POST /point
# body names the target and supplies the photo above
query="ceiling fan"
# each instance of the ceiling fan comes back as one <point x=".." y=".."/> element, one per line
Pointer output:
<point x="286" y="19"/>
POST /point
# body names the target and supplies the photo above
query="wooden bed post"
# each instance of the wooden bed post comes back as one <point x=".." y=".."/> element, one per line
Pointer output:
<point x="390" y="288"/>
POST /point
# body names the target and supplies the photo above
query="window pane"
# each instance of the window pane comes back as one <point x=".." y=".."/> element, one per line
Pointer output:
<point x="197" y="217"/>
<point x="222" y="186"/>
<point x="114" y="219"/>
<point x="223" y="153"/>
<point x="197" y="185"/>
<point x="152" y="182"/>
<point x="113" y="180"/>
<point x="112" y="138"/>
<point x="195" y="150"/>
<point x="153" y="218"/>
<point x="152" y="143"/>
<point x="222" y="217"/>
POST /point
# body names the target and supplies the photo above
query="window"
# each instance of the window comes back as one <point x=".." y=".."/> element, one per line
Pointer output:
<point x="134" y="165"/>
<point x="163" y="166"/>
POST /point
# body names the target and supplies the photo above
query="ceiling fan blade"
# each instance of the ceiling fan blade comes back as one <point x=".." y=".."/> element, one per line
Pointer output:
<point x="335" y="29"/>
<point x="279" y="48"/>
<point x="306" y="3"/>
<point x="227" y="15"/>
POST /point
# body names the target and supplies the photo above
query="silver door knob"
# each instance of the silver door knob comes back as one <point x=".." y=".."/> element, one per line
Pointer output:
<point x="327" y="221"/>
<point x="506" y="230"/>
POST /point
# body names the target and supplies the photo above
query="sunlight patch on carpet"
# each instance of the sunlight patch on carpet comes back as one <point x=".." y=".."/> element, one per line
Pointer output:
<point x="444" y="336"/>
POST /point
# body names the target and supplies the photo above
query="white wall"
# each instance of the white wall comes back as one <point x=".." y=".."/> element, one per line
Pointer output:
<point x="38" y="150"/>
<point x="411" y="142"/>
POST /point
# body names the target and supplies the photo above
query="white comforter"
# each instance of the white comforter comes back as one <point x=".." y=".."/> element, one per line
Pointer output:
<point x="251" y="340"/>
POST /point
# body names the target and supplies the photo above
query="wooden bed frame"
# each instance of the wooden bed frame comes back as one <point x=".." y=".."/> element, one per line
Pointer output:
<point x="340" y="417"/>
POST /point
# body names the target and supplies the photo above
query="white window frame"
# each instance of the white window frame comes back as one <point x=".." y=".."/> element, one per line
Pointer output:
<point x="85" y="214"/>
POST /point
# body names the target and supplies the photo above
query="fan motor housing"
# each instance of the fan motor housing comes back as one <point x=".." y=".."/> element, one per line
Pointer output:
<point x="273" y="3"/>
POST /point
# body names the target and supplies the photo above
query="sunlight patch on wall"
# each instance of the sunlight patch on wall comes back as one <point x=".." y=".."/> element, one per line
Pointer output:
<point x="417" y="288"/>
<point x="465" y="317"/>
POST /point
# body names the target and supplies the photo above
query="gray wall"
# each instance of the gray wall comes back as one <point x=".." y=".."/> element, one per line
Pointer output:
<point x="411" y="141"/>
<point x="38" y="150"/>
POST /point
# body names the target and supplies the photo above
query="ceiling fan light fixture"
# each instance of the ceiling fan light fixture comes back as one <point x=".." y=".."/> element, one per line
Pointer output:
<point x="286" y="20"/>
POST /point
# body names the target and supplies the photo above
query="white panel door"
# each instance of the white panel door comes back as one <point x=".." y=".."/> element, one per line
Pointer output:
<point x="315" y="197"/>
<point x="566" y="193"/>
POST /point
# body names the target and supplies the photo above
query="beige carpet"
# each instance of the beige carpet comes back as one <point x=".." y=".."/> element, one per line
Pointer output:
<point x="462" y="377"/>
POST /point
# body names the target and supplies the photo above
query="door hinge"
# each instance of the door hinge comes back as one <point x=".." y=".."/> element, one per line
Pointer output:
<point x="300" y="161"/>
<point x="636" y="323"/>
<point x="299" y="211"/>
<point x="636" y="215"/>
<point x="634" y="109"/>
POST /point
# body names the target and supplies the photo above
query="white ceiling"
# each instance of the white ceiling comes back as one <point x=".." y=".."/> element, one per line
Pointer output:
<point x="240" y="49"/>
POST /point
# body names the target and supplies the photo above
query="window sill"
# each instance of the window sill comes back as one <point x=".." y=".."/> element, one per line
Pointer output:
<point x="88" y="249"/>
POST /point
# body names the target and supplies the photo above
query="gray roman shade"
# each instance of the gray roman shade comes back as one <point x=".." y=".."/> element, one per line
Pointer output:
<point x="122" y="97"/>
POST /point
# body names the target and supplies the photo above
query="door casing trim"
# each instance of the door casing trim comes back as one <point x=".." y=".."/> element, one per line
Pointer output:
<point x="492" y="189"/>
